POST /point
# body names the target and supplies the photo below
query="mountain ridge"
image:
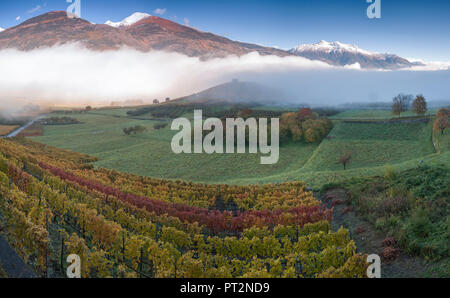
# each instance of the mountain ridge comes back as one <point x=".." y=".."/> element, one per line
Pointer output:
<point x="341" y="54"/>
<point x="144" y="32"/>
<point x="150" y="33"/>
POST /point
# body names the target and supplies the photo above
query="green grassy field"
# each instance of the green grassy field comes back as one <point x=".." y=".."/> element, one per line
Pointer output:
<point x="373" y="146"/>
<point x="150" y="153"/>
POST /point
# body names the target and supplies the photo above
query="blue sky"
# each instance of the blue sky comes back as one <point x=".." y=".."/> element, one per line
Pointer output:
<point x="412" y="29"/>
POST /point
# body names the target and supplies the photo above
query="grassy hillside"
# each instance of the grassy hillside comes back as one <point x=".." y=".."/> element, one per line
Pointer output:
<point x="373" y="146"/>
<point x="412" y="206"/>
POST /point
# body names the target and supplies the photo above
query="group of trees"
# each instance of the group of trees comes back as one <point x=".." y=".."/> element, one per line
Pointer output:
<point x="442" y="121"/>
<point x="402" y="103"/>
<point x="304" y="126"/>
<point x="134" y="129"/>
<point x="159" y="126"/>
<point x="156" y="101"/>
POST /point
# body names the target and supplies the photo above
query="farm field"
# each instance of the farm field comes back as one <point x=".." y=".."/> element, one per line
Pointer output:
<point x="374" y="114"/>
<point x="373" y="146"/>
<point x="6" y="129"/>
<point x="150" y="153"/>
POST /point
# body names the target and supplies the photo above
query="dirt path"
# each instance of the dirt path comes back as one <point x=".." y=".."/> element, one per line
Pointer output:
<point x="11" y="263"/>
<point x="370" y="241"/>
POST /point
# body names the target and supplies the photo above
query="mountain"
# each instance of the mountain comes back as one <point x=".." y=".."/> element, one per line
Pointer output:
<point x="143" y="33"/>
<point x="163" y="34"/>
<point x="340" y="54"/>
<point x="134" y="18"/>
<point x="57" y="28"/>
<point x="1" y="29"/>
<point x="238" y="92"/>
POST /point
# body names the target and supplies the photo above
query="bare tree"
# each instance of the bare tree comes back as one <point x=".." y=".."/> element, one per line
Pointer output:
<point x="345" y="159"/>
<point x="401" y="103"/>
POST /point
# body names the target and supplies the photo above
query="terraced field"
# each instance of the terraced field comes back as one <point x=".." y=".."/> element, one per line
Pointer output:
<point x="6" y="129"/>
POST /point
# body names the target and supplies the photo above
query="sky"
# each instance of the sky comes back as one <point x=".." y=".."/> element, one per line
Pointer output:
<point x="411" y="29"/>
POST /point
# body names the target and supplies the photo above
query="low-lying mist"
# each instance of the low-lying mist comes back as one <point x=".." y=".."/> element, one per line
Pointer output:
<point x="70" y="75"/>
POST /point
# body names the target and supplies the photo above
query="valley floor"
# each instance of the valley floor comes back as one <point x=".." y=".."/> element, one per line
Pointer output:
<point x="373" y="146"/>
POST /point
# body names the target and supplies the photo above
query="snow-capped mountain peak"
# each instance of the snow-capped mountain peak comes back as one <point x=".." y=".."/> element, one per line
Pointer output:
<point x="134" y="18"/>
<point x="325" y="46"/>
<point x="341" y="54"/>
<point x="1" y="29"/>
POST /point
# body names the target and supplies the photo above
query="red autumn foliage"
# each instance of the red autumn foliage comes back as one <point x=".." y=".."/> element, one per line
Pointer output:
<point x="390" y="241"/>
<point x="215" y="220"/>
<point x="390" y="254"/>
<point x="19" y="177"/>
<point x="304" y="114"/>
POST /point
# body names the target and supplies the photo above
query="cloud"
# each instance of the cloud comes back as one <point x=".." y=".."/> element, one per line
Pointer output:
<point x="18" y="18"/>
<point x="160" y="11"/>
<point x="353" y="66"/>
<point x="429" y="65"/>
<point x="186" y="22"/>
<point x="70" y="75"/>
<point x="34" y="9"/>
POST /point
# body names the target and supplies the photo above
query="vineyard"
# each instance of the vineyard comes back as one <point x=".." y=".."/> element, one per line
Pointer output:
<point x="54" y="203"/>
